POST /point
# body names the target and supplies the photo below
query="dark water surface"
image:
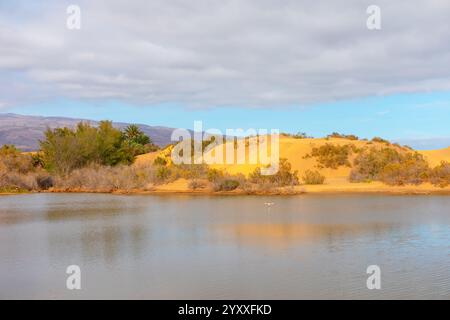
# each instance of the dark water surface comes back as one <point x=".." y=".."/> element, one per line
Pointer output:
<point x="200" y="247"/>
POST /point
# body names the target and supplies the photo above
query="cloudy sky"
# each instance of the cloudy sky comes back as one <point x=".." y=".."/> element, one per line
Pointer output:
<point x="292" y="64"/>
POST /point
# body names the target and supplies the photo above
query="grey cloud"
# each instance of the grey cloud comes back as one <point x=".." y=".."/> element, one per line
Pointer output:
<point x="210" y="53"/>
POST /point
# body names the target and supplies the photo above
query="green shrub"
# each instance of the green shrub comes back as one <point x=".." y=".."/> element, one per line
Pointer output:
<point x="313" y="177"/>
<point x="64" y="150"/>
<point x="160" y="161"/>
<point x="214" y="175"/>
<point x="228" y="185"/>
<point x="332" y="156"/>
<point x="163" y="174"/>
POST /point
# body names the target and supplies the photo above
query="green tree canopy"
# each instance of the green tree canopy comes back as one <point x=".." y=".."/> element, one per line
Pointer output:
<point x="65" y="149"/>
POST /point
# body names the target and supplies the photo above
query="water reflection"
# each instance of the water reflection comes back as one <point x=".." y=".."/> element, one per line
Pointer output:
<point x="185" y="247"/>
<point x="285" y="235"/>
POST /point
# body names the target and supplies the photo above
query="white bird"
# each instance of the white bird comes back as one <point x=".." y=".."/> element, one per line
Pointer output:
<point x="269" y="204"/>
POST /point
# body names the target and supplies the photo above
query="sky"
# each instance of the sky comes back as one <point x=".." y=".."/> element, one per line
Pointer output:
<point x="293" y="65"/>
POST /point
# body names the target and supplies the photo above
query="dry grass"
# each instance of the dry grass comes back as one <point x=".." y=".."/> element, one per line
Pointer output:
<point x="108" y="179"/>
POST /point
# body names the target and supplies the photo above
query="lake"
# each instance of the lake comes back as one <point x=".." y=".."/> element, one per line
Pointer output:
<point x="230" y="247"/>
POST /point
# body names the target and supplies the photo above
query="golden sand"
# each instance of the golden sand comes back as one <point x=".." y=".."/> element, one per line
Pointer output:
<point x="295" y="150"/>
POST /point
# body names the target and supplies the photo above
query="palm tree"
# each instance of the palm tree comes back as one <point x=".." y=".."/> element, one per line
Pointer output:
<point x="135" y="135"/>
<point x="132" y="132"/>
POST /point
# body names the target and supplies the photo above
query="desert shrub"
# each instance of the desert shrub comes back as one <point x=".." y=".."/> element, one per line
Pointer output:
<point x="256" y="176"/>
<point x="222" y="181"/>
<point x="228" y="185"/>
<point x="370" y="162"/>
<point x="190" y="171"/>
<point x="106" y="178"/>
<point x="298" y="135"/>
<point x="163" y="174"/>
<point x="37" y="160"/>
<point x="283" y="177"/>
<point x="440" y="175"/>
<point x="313" y="177"/>
<point x="214" y="175"/>
<point x="19" y="172"/>
<point x="411" y="170"/>
<point x="17" y="181"/>
<point x="44" y="182"/>
<point x="355" y="149"/>
<point x="331" y="155"/>
<point x="196" y="184"/>
<point x="380" y="140"/>
<point x="343" y="136"/>
<point x="160" y="161"/>
<point x="389" y="166"/>
<point x="13" y="160"/>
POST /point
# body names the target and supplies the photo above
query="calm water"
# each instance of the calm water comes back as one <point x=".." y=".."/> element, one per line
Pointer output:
<point x="195" y="247"/>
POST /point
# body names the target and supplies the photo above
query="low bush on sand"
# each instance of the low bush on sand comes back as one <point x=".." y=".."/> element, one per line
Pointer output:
<point x="313" y="177"/>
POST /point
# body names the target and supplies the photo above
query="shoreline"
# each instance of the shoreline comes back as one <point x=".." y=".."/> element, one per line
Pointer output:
<point x="302" y="190"/>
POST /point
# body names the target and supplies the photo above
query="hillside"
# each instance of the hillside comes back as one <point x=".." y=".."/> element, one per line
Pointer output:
<point x="26" y="131"/>
<point x="296" y="151"/>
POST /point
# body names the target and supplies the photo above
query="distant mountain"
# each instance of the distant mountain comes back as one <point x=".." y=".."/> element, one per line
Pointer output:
<point x="26" y="131"/>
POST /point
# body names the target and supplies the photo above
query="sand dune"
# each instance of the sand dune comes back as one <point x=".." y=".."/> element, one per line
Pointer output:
<point x="295" y="150"/>
<point x="435" y="157"/>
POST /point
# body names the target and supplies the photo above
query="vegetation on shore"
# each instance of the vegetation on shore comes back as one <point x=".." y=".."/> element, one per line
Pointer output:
<point x="102" y="159"/>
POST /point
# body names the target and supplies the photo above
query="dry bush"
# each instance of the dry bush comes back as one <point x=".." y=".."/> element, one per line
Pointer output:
<point x="196" y="184"/>
<point x="380" y="140"/>
<point x="298" y="135"/>
<point x="18" y="172"/>
<point x="284" y="177"/>
<point x="332" y="156"/>
<point x="229" y="182"/>
<point x="343" y="136"/>
<point x="440" y="175"/>
<point x="371" y="161"/>
<point x="106" y="179"/>
<point x="160" y="161"/>
<point x="390" y="166"/>
<point x="17" y="181"/>
<point x="214" y="175"/>
<point x="410" y="171"/>
<point x="313" y="177"/>
<point x="190" y="171"/>
<point x="227" y="185"/>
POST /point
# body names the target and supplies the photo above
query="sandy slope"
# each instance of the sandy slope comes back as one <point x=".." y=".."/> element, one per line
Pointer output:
<point x="294" y="151"/>
<point x="435" y="157"/>
<point x="147" y="158"/>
